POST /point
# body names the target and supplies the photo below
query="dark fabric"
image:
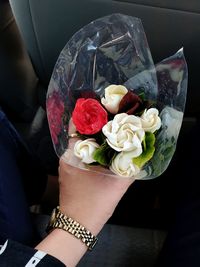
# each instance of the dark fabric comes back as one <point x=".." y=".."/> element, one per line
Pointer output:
<point x="15" y="221"/>
<point x="120" y="246"/>
<point x="182" y="246"/>
<point x="33" y="174"/>
<point x="17" y="165"/>
<point x="16" y="254"/>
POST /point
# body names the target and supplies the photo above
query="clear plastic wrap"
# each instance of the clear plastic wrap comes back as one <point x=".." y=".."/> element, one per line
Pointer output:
<point x="114" y="50"/>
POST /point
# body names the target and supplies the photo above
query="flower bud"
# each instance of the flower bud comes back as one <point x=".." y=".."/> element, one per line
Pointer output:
<point x="123" y="166"/>
<point x="150" y="120"/>
<point x="113" y="96"/>
<point x="85" y="149"/>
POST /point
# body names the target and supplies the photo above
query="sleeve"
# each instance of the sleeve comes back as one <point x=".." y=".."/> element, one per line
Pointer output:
<point x="13" y="254"/>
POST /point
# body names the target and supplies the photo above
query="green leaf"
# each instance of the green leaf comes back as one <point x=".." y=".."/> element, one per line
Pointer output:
<point x="142" y="96"/>
<point x="144" y="144"/>
<point x="148" y="150"/>
<point x="104" y="154"/>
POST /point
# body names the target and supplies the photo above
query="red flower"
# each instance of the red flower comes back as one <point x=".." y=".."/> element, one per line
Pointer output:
<point x="89" y="116"/>
<point x="130" y="103"/>
<point x="55" y="110"/>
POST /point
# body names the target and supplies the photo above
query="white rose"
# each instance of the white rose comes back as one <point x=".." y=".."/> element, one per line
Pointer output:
<point x="150" y="120"/>
<point x="113" y="96"/>
<point x="85" y="149"/>
<point x="123" y="165"/>
<point x="124" y="133"/>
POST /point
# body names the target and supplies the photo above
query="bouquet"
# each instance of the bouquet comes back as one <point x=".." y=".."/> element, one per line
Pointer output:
<point x="110" y="109"/>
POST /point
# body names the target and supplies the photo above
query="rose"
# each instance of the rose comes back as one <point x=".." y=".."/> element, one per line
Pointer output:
<point x="85" y="149"/>
<point x="55" y="110"/>
<point x="130" y="103"/>
<point x="89" y="116"/>
<point x="113" y="95"/>
<point x="124" y="133"/>
<point x="150" y="120"/>
<point x="122" y="165"/>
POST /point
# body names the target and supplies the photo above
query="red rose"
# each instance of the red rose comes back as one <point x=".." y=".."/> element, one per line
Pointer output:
<point x="89" y="116"/>
<point x="130" y="103"/>
<point x="55" y="110"/>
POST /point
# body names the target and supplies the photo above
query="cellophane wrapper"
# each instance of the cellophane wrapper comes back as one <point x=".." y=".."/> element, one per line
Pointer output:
<point x="114" y="50"/>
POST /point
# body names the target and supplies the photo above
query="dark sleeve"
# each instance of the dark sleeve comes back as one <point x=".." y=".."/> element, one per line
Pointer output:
<point x="13" y="254"/>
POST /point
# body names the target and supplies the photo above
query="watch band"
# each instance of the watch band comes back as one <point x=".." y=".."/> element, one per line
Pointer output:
<point x="61" y="221"/>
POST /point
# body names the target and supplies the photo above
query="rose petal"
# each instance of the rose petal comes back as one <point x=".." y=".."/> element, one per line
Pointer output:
<point x="130" y="103"/>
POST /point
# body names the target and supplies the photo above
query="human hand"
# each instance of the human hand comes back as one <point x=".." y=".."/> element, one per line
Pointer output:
<point x="89" y="197"/>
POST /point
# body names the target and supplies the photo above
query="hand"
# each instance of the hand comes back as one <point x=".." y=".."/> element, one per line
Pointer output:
<point x="89" y="197"/>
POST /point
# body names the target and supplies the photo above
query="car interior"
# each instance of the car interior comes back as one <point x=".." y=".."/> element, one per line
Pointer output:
<point x="32" y="34"/>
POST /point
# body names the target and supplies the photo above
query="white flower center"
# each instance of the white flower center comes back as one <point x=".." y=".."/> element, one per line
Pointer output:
<point x="124" y="133"/>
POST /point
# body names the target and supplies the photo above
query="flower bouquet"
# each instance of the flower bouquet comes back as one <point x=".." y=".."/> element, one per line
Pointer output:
<point x="110" y="109"/>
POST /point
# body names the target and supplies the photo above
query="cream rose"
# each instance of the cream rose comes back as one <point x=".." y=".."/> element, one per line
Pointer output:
<point x="124" y="133"/>
<point x="85" y="149"/>
<point x="113" y="95"/>
<point x="123" y="165"/>
<point x="150" y="120"/>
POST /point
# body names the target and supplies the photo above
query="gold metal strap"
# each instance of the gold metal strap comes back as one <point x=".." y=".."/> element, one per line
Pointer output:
<point x="61" y="221"/>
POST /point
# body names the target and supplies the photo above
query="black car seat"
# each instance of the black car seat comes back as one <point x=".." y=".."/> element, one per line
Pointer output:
<point x="26" y="67"/>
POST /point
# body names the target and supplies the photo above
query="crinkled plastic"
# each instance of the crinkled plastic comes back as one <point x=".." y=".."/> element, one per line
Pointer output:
<point x="114" y="50"/>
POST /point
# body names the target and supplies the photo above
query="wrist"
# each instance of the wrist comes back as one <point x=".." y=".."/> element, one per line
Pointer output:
<point x="63" y="246"/>
<point x="60" y="220"/>
<point x="86" y="217"/>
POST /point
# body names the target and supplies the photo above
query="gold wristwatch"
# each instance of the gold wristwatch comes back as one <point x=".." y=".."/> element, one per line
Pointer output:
<point x="61" y="221"/>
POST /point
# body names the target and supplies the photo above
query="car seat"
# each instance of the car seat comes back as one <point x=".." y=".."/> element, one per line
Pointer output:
<point x="27" y="61"/>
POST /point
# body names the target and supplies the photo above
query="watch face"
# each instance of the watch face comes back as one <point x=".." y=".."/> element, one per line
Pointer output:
<point x="52" y="220"/>
<point x="53" y="217"/>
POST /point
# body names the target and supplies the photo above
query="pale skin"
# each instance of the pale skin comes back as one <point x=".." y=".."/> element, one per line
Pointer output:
<point x="89" y="198"/>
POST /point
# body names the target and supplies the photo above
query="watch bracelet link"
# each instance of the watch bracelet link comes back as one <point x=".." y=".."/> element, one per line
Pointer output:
<point x="73" y="227"/>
